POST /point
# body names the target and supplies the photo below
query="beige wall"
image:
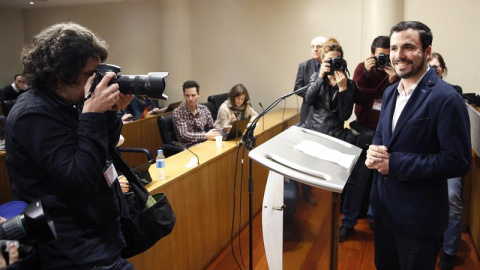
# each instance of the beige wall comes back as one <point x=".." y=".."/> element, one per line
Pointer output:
<point x="256" y="42"/>
<point x="11" y="43"/>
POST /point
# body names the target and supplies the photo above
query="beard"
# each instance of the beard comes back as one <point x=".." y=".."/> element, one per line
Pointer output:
<point x="414" y="68"/>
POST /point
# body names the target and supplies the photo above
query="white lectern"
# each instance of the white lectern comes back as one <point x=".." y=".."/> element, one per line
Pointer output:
<point x="284" y="157"/>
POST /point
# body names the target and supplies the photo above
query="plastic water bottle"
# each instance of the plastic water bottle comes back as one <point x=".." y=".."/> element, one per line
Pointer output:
<point x="161" y="164"/>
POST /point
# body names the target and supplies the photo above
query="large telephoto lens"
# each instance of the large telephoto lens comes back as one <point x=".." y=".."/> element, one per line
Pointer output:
<point x="151" y="85"/>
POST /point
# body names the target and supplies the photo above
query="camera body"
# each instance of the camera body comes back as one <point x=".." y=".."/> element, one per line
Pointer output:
<point x="382" y="60"/>
<point x="337" y="63"/>
<point x="151" y="85"/>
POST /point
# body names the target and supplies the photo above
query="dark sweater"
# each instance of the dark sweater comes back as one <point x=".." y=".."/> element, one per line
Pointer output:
<point x="370" y="86"/>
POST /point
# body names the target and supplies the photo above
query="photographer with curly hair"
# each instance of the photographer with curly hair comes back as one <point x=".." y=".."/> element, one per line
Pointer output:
<point x="57" y="143"/>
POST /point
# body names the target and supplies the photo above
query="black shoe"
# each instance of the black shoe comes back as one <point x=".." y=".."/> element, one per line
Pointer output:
<point x="447" y="262"/>
<point x="371" y="226"/>
<point x="344" y="232"/>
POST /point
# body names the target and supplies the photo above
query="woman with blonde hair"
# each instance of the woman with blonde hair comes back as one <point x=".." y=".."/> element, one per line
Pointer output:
<point x="331" y="94"/>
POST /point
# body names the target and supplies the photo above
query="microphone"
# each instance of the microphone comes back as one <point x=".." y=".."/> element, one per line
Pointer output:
<point x="263" y="120"/>
<point x="248" y="137"/>
<point x="185" y="148"/>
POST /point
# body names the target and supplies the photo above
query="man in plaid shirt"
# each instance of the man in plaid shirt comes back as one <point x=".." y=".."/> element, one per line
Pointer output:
<point x="193" y="122"/>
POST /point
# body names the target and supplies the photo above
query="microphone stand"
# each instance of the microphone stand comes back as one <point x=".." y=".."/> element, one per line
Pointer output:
<point x="249" y="140"/>
<point x="185" y="148"/>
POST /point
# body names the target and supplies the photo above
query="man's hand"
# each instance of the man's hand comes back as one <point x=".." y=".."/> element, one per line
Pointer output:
<point x="210" y="135"/>
<point x="154" y="111"/>
<point x="378" y="158"/>
<point x="105" y="97"/>
<point x="370" y="63"/>
<point x="392" y="75"/>
<point x="12" y="252"/>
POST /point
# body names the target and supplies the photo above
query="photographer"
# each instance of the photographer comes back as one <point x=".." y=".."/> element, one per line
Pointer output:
<point x="331" y="94"/>
<point x="57" y="145"/>
<point x="372" y="77"/>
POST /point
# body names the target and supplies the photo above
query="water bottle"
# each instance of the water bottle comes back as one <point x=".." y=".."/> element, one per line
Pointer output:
<point x="161" y="164"/>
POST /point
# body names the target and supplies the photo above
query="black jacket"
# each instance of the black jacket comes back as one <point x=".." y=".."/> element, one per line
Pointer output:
<point x="58" y="155"/>
<point x="331" y="108"/>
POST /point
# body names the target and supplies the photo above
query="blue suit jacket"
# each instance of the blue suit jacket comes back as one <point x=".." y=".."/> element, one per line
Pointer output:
<point x="430" y="143"/>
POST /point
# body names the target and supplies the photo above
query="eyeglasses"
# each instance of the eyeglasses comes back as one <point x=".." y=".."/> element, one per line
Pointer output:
<point x="318" y="47"/>
<point x="436" y="67"/>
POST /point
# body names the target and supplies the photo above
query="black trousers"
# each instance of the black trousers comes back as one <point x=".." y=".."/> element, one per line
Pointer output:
<point x="399" y="252"/>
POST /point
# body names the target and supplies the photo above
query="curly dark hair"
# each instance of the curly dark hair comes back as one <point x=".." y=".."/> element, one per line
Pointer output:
<point x="58" y="54"/>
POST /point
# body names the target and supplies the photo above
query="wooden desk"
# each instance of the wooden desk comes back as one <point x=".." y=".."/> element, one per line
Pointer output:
<point x="141" y="133"/>
<point x="471" y="186"/>
<point x="202" y="199"/>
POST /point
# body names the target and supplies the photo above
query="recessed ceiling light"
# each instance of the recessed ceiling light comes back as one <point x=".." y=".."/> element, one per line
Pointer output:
<point x="32" y="3"/>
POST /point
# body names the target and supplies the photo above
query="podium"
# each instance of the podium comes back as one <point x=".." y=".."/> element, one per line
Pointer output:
<point x="285" y="159"/>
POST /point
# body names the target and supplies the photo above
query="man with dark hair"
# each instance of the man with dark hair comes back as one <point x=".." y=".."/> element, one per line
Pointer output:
<point x="193" y="122"/>
<point x="372" y="76"/>
<point x="422" y="139"/>
<point x="12" y="91"/>
<point x="57" y="145"/>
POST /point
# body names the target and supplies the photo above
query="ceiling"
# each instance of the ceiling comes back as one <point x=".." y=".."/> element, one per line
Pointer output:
<point x="25" y="4"/>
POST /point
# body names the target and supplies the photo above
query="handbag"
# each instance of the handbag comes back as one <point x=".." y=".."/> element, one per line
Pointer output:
<point x="145" y="219"/>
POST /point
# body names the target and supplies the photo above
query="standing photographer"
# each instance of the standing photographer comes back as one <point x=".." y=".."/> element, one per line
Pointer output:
<point x="57" y="145"/>
<point x="331" y="94"/>
<point x="372" y="77"/>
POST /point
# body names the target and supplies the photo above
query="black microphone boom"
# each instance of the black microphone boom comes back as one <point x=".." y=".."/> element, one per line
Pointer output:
<point x="185" y="148"/>
<point x="263" y="120"/>
<point x="249" y="132"/>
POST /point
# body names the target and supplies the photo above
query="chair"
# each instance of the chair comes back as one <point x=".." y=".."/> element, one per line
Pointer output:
<point x="7" y="105"/>
<point x="217" y="101"/>
<point x="211" y="108"/>
<point x="165" y="126"/>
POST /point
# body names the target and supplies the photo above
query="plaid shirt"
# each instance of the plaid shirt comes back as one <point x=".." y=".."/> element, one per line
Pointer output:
<point x="190" y="129"/>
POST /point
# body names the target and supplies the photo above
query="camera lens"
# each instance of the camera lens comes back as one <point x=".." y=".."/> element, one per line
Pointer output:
<point x="151" y="85"/>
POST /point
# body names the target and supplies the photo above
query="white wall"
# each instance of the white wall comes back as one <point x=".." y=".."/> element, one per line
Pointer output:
<point x="456" y="36"/>
<point x="255" y="42"/>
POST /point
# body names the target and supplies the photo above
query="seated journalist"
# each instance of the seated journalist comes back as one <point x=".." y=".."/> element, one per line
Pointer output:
<point x="193" y="122"/>
<point x="236" y="107"/>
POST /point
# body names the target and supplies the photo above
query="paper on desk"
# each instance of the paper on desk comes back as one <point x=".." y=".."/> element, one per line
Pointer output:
<point x="320" y="151"/>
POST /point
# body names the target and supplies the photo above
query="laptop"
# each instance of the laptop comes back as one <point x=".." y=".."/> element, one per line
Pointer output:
<point x="173" y="106"/>
<point x="237" y="130"/>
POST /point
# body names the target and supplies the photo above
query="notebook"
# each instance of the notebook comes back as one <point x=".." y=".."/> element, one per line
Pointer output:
<point x="173" y="106"/>
<point x="237" y="130"/>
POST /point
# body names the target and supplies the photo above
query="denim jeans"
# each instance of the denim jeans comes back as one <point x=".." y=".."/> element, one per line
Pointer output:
<point x="453" y="233"/>
<point x="354" y="189"/>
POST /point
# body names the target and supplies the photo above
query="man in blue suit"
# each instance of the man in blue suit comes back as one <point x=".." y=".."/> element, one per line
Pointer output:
<point x="422" y="139"/>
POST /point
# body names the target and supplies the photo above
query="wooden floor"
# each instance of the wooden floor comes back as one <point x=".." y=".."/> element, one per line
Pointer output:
<point x="355" y="253"/>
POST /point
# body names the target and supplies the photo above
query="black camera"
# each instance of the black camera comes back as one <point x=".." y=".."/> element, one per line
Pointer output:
<point x="33" y="223"/>
<point x="337" y="63"/>
<point x="382" y="60"/>
<point x="151" y="85"/>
